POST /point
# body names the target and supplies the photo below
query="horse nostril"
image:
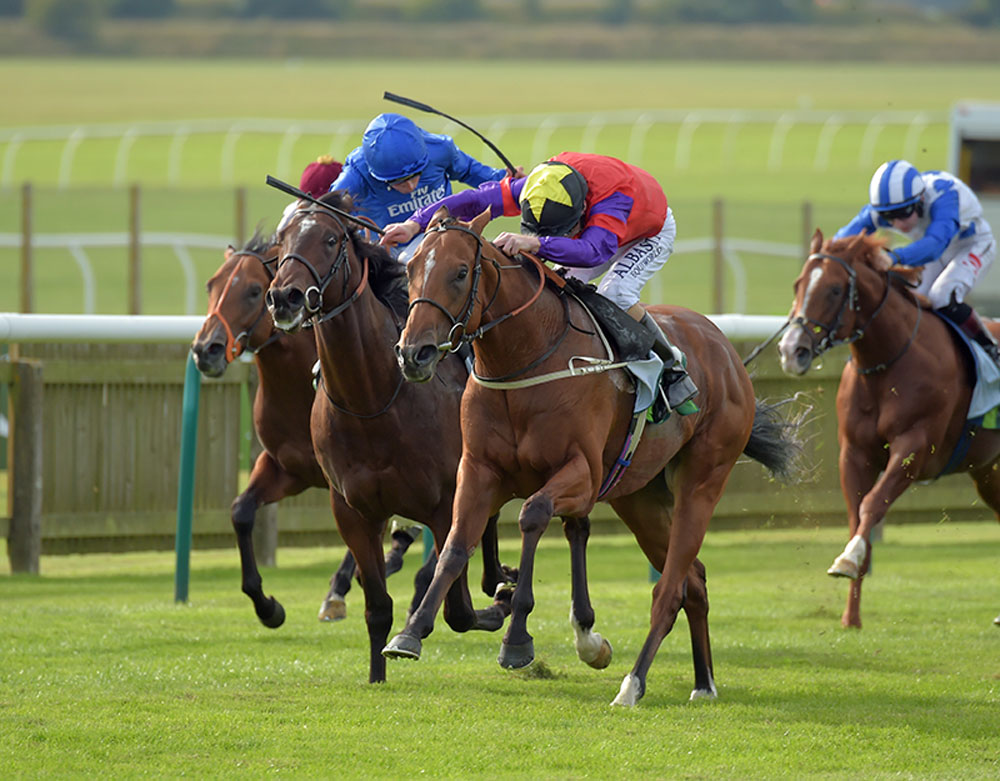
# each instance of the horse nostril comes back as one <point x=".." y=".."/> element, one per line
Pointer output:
<point x="213" y="350"/>
<point x="426" y="354"/>
<point x="295" y="299"/>
<point x="269" y="299"/>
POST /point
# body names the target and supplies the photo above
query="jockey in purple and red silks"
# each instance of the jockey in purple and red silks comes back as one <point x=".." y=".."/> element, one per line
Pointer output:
<point x="591" y="214"/>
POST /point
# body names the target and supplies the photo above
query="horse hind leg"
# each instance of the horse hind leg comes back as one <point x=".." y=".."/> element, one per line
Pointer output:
<point x="695" y="606"/>
<point x="590" y="646"/>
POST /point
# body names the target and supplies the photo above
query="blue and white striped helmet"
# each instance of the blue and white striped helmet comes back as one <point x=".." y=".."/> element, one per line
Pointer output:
<point x="895" y="184"/>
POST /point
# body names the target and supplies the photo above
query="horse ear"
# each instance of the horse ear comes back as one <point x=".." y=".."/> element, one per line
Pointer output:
<point x="229" y="252"/>
<point x="442" y="213"/>
<point x="817" y="242"/>
<point x="481" y="220"/>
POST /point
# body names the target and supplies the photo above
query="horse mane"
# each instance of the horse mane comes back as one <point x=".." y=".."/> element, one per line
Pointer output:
<point x="386" y="275"/>
<point x="867" y="248"/>
<point x="260" y="242"/>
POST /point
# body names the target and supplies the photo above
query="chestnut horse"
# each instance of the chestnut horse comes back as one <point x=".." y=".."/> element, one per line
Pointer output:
<point x="385" y="446"/>
<point x="238" y="321"/>
<point x="903" y="396"/>
<point x="553" y="442"/>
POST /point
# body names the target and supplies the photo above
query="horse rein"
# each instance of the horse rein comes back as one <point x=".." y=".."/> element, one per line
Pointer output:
<point x="850" y="301"/>
<point x="236" y="345"/>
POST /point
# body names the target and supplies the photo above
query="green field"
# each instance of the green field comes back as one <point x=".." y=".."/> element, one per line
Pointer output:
<point x="103" y="674"/>
<point x="728" y="160"/>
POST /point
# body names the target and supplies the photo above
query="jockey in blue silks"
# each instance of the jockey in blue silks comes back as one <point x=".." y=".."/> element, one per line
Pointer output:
<point x="949" y="237"/>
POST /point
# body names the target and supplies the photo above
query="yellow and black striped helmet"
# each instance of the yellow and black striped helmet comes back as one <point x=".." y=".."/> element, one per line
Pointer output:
<point x="552" y="200"/>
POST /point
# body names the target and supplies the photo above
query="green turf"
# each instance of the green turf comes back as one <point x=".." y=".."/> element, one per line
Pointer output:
<point x="103" y="674"/>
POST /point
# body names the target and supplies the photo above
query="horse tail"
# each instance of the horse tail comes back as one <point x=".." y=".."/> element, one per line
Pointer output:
<point x="776" y="439"/>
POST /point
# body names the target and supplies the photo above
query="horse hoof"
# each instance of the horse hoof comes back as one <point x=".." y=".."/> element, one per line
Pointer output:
<point x="997" y="620"/>
<point x="603" y="658"/>
<point x="514" y="657"/>
<point x="703" y="694"/>
<point x="843" y="568"/>
<point x="274" y="618"/>
<point x="630" y="693"/>
<point x="402" y="646"/>
<point x="333" y="609"/>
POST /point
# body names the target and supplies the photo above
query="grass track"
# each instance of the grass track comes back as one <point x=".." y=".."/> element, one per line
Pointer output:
<point x="103" y="674"/>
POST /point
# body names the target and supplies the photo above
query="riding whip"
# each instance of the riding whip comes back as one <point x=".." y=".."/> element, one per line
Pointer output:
<point x="431" y="110"/>
<point x="285" y="187"/>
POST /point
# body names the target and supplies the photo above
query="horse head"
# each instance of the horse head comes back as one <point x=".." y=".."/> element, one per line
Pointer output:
<point x="444" y="280"/>
<point x="835" y="297"/>
<point x="236" y="312"/>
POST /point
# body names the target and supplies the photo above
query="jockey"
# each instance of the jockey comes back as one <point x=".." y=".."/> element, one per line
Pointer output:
<point x="949" y="237"/>
<point x="400" y="167"/>
<point x="592" y="214"/>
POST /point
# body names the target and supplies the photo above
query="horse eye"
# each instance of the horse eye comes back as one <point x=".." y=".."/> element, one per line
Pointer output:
<point x="332" y="241"/>
<point x="254" y="292"/>
<point x="463" y="272"/>
<point x="836" y="290"/>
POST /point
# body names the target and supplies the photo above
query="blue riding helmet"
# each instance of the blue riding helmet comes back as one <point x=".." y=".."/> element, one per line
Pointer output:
<point x="394" y="148"/>
<point x="896" y="184"/>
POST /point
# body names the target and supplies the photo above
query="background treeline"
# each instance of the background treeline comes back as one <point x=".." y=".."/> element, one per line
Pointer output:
<point x="966" y="30"/>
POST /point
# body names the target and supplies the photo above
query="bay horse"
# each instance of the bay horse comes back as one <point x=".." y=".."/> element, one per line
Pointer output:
<point x="238" y="321"/>
<point x="903" y="397"/>
<point x="386" y="447"/>
<point x="554" y="442"/>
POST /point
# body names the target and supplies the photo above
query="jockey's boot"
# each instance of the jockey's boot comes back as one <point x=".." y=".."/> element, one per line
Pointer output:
<point x="967" y="319"/>
<point x="680" y="388"/>
<point x="402" y="537"/>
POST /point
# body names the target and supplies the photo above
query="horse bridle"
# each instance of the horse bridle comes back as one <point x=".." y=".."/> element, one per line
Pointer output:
<point x="459" y="331"/>
<point x="236" y="345"/>
<point x="318" y="290"/>
<point x="849" y="302"/>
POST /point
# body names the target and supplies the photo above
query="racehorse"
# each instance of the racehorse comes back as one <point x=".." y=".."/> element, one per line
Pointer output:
<point x="386" y="447"/>
<point x="238" y="321"/>
<point x="903" y="396"/>
<point x="554" y="442"/>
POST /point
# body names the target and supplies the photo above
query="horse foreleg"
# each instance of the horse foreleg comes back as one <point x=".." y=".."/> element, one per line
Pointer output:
<point x="364" y="539"/>
<point x="857" y="476"/>
<point x="517" y="649"/>
<point x="268" y="483"/>
<point x="334" y="608"/>
<point x="472" y="508"/>
<point x="590" y="646"/>
<point x="566" y="493"/>
<point x="906" y="458"/>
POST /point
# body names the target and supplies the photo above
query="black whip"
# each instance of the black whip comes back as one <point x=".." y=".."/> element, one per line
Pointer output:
<point x="285" y="187"/>
<point x="431" y="110"/>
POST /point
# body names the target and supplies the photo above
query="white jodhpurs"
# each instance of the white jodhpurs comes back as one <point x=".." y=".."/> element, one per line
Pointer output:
<point x="958" y="271"/>
<point x="632" y="266"/>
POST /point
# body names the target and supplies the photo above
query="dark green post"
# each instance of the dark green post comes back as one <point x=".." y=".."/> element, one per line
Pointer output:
<point x="185" y="482"/>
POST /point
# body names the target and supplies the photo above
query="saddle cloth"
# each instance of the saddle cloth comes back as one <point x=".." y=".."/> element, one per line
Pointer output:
<point x="986" y="382"/>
